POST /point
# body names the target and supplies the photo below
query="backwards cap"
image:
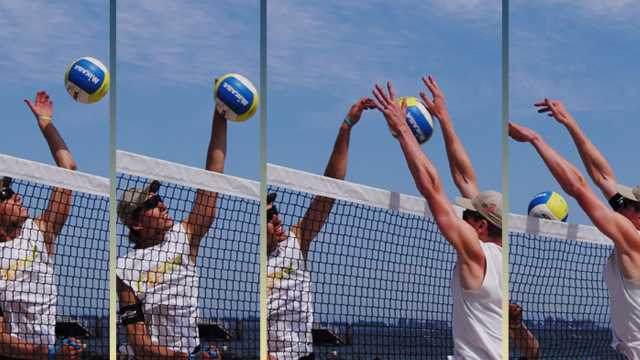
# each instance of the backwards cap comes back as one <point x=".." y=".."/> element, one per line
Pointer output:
<point x="629" y="193"/>
<point x="132" y="199"/>
<point x="488" y="204"/>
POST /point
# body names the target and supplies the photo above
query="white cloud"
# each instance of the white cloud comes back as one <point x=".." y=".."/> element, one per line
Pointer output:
<point x="40" y="39"/>
<point x="187" y="41"/>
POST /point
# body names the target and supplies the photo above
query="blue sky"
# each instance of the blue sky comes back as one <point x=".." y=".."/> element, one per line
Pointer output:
<point x="169" y="54"/>
<point x="585" y="55"/>
<point x="322" y="57"/>
<point x="38" y="42"/>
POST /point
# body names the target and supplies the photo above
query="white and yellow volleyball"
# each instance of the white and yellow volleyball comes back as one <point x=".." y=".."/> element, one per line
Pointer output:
<point x="236" y="97"/>
<point x="87" y="80"/>
<point x="549" y="205"/>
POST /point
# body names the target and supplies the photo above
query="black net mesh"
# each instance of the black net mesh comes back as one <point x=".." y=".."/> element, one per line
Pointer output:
<point x="227" y="264"/>
<point x="80" y="275"/>
<point x="558" y="283"/>
<point x="379" y="283"/>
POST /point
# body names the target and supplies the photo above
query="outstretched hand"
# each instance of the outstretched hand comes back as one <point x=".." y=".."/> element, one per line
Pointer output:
<point x="515" y="314"/>
<point x="521" y="133"/>
<point x="395" y="115"/>
<point x="355" y="112"/>
<point x="437" y="107"/>
<point x="556" y="109"/>
<point x="43" y="106"/>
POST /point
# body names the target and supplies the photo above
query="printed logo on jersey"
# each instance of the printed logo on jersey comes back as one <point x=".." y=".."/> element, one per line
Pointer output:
<point x="156" y="276"/>
<point x="15" y="270"/>
<point x="277" y="276"/>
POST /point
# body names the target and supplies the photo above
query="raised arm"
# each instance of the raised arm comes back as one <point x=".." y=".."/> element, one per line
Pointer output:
<point x="314" y="219"/>
<point x="597" y="167"/>
<point x="461" y="169"/>
<point x="522" y="338"/>
<point x="52" y="220"/>
<point x="137" y="336"/>
<point x="613" y="225"/>
<point x="456" y="231"/>
<point x="204" y="207"/>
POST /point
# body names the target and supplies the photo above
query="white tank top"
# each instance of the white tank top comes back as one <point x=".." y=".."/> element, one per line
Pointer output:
<point x="289" y="309"/>
<point x="477" y="314"/>
<point x="625" y="308"/>
<point x="27" y="289"/>
<point x="165" y="280"/>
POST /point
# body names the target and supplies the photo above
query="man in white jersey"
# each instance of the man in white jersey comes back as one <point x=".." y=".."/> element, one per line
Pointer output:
<point x="157" y="281"/>
<point x="289" y="309"/>
<point x="622" y="271"/>
<point x="27" y="290"/>
<point x="476" y="285"/>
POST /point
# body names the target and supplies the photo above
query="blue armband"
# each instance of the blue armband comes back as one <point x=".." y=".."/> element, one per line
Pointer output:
<point x="53" y="350"/>
<point x="348" y="122"/>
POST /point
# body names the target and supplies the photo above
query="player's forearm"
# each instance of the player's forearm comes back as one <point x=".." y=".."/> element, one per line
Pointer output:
<point x="525" y="342"/>
<point x="567" y="175"/>
<point x="217" y="151"/>
<point x="145" y="349"/>
<point x="337" y="166"/>
<point x="597" y="167"/>
<point x="20" y="349"/>
<point x="58" y="148"/>
<point x="461" y="169"/>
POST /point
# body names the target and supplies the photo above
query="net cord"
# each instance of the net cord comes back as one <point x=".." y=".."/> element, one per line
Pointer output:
<point x="53" y="176"/>
<point x="344" y="190"/>
<point x="163" y="170"/>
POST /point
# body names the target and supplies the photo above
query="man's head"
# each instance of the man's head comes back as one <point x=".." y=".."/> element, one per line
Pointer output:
<point x="144" y="213"/>
<point x="12" y="212"/>
<point x="275" y="231"/>
<point x="484" y="213"/>
<point x="630" y="203"/>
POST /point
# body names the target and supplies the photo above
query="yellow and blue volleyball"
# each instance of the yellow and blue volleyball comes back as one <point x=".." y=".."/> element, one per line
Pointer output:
<point x="87" y="80"/>
<point x="549" y="205"/>
<point x="418" y="118"/>
<point x="236" y="97"/>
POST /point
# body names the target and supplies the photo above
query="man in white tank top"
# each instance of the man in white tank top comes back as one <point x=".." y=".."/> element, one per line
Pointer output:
<point x="289" y="308"/>
<point x="157" y="281"/>
<point x="27" y="290"/>
<point x="622" y="226"/>
<point x="476" y="285"/>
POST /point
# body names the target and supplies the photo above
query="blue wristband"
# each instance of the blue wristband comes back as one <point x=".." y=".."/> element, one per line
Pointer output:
<point x="348" y="122"/>
<point x="53" y="350"/>
<point x="43" y="118"/>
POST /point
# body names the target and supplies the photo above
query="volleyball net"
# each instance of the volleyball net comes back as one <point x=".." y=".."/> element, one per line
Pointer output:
<point x="227" y="293"/>
<point x="380" y="270"/>
<point x="555" y="275"/>
<point x="47" y="298"/>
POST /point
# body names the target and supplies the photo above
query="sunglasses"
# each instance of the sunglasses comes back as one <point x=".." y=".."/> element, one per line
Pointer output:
<point x="272" y="211"/>
<point x="6" y="194"/>
<point x="150" y="203"/>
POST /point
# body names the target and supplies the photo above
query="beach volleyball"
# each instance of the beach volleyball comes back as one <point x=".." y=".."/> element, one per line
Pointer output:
<point x="87" y="80"/>
<point x="236" y="97"/>
<point x="419" y="119"/>
<point x="549" y="205"/>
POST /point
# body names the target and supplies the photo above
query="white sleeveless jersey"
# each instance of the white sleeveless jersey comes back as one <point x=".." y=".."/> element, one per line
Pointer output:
<point x="165" y="280"/>
<point x="625" y="308"/>
<point x="289" y="309"/>
<point x="477" y="314"/>
<point x="27" y="289"/>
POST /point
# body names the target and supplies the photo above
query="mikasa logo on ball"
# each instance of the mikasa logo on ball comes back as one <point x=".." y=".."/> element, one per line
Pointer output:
<point x="416" y="128"/>
<point x="88" y="73"/>
<point x="241" y="98"/>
